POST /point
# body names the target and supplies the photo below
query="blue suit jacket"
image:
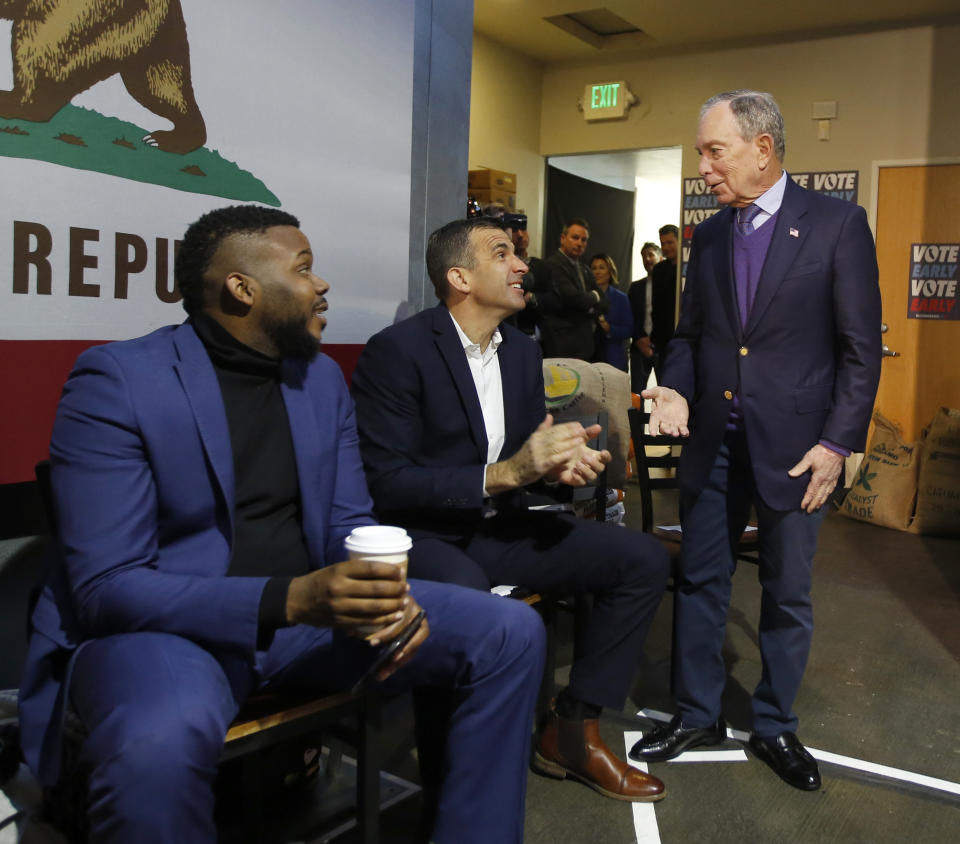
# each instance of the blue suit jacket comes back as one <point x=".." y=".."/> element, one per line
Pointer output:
<point x="422" y="435"/>
<point x="142" y="472"/>
<point x="620" y="319"/>
<point x="806" y="364"/>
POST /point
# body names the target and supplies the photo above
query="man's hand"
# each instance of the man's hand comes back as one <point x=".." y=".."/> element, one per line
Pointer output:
<point x="349" y="595"/>
<point x="556" y="451"/>
<point x="669" y="414"/>
<point x="405" y="654"/>
<point x="644" y="345"/>
<point x="604" y="325"/>
<point x="585" y="466"/>
<point x="825" y="467"/>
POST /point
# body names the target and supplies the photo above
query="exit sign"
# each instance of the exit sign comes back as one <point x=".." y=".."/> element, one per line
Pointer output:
<point x="604" y="100"/>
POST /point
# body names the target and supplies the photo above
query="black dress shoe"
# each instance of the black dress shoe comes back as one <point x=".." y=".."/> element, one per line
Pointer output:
<point x="672" y="739"/>
<point x="789" y="760"/>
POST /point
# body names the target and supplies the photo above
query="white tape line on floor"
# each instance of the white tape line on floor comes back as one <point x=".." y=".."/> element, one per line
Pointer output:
<point x="885" y="771"/>
<point x="826" y="756"/>
<point x="644" y="817"/>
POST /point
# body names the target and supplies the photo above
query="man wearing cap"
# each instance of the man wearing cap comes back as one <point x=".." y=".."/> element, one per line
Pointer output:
<point x="538" y="292"/>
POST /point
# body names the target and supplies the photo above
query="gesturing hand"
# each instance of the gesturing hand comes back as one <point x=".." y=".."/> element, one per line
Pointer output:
<point x="824" y="466"/>
<point x="669" y="414"/>
<point x="584" y="466"/>
<point x="548" y="450"/>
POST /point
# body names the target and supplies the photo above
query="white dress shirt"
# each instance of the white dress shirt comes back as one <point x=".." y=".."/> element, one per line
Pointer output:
<point x="770" y="201"/>
<point x="485" y="370"/>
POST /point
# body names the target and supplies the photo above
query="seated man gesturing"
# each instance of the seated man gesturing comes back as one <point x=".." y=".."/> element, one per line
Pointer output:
<point x="450" y="409"/>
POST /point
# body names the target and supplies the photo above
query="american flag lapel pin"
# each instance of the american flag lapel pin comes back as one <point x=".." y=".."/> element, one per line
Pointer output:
<point x="794" y="232"/>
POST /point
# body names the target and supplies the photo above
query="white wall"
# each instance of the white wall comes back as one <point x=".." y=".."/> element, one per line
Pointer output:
<point x="505" y="125"/>
<point x="898" y="94"/>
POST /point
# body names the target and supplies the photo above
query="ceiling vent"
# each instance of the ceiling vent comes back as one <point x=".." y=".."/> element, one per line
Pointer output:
<point x="602" y="29"/>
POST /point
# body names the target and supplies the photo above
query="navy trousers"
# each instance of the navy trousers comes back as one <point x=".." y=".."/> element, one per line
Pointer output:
<point x="713" y="522"/>
<point x="623" y="570"/>
<point x="157" y="707"/>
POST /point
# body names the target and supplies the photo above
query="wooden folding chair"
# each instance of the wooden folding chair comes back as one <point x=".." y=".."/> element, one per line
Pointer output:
<point x="262" y="723"/>
<point x="671" y="537"/>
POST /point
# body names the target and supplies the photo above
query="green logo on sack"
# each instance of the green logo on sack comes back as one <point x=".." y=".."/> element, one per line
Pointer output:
<point x="864" y="476"/>
<point x="560" y="383"/>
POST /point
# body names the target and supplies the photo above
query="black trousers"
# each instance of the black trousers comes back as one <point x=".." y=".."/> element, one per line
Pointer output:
<point x="640" y="367"/>
<point x="624" y="571"/>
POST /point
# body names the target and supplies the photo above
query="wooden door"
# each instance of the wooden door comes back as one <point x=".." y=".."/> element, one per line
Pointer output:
<point x="916" y="204"/>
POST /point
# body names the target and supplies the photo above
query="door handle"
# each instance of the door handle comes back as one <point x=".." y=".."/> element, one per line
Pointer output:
<point x="888" y="352"/>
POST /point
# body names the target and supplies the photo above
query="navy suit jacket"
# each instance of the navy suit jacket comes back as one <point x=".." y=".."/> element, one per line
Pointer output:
<point x="807" y="363"/>
<point x="422" y="435"/>
<point x="142" y="472"/>
<point x="572" y="320"/>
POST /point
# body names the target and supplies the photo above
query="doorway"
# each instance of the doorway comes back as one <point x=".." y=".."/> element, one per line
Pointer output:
<point x="653" y="176"/>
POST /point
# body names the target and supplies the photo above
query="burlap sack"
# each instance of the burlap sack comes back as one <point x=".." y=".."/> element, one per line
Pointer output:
<point x="938" y="489"/>
<point x="577" y="388"/>
<point x="885" y="488"/>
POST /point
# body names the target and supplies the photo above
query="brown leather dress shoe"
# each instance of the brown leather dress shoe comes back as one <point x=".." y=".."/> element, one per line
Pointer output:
<point x="575" y="749"/>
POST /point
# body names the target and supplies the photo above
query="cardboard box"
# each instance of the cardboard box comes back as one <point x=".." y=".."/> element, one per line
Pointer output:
<point x="492" y="180"/>
<point x="485" y="197"/>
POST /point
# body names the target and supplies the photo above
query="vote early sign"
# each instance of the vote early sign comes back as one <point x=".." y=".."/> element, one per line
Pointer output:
<point x="933" y="281"/>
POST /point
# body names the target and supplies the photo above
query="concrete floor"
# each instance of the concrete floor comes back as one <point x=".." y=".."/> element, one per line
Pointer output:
<point x="882" y="685"/>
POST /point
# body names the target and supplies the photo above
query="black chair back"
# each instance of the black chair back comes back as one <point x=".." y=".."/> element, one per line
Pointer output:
<point x="641" y="439"/>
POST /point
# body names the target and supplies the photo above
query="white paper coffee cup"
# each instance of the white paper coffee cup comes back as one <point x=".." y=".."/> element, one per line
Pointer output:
<point x="379" y="544"/>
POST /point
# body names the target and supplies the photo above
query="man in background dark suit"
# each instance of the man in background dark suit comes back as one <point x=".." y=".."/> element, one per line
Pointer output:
<point x="641" y="347"/>
<point x="572" y="321"/>
<point x="772" y="373"/>
<point x="663" y="291"/>
<point x="450" y="409"/>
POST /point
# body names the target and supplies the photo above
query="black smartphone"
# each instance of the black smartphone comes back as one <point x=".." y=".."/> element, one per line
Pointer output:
<point x="387" y="652"/>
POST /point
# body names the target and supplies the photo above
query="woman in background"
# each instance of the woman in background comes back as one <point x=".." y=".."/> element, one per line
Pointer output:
<point x="615" y="329"/>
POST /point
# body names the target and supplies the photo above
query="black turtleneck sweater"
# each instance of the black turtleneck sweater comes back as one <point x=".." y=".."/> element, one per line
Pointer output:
<point x="268" y="538"/>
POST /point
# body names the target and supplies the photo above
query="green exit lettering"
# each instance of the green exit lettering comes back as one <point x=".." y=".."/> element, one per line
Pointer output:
<point x="604" y="96"/>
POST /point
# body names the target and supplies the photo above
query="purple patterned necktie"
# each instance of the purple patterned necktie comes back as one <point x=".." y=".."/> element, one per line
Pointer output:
<point x="745" y="217"/>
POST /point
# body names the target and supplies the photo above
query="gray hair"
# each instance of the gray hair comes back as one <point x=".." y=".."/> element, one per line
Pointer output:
<point x="756" y="113"/>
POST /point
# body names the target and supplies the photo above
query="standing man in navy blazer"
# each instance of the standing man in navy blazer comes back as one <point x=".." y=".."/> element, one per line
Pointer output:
<point x="772" y="373"/>
<point x="450" y="409"/>
<point x="205" y="477"/>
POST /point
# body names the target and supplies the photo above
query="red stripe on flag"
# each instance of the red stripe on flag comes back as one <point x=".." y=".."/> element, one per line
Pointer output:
<point x="32" y="373"/>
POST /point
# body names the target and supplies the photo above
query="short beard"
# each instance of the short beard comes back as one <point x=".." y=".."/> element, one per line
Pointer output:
<point x="291" y="338"/>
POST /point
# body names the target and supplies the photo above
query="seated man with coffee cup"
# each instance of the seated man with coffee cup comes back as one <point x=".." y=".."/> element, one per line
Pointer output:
<point x="452" y="421"/>
<point x="206" y="478"/>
